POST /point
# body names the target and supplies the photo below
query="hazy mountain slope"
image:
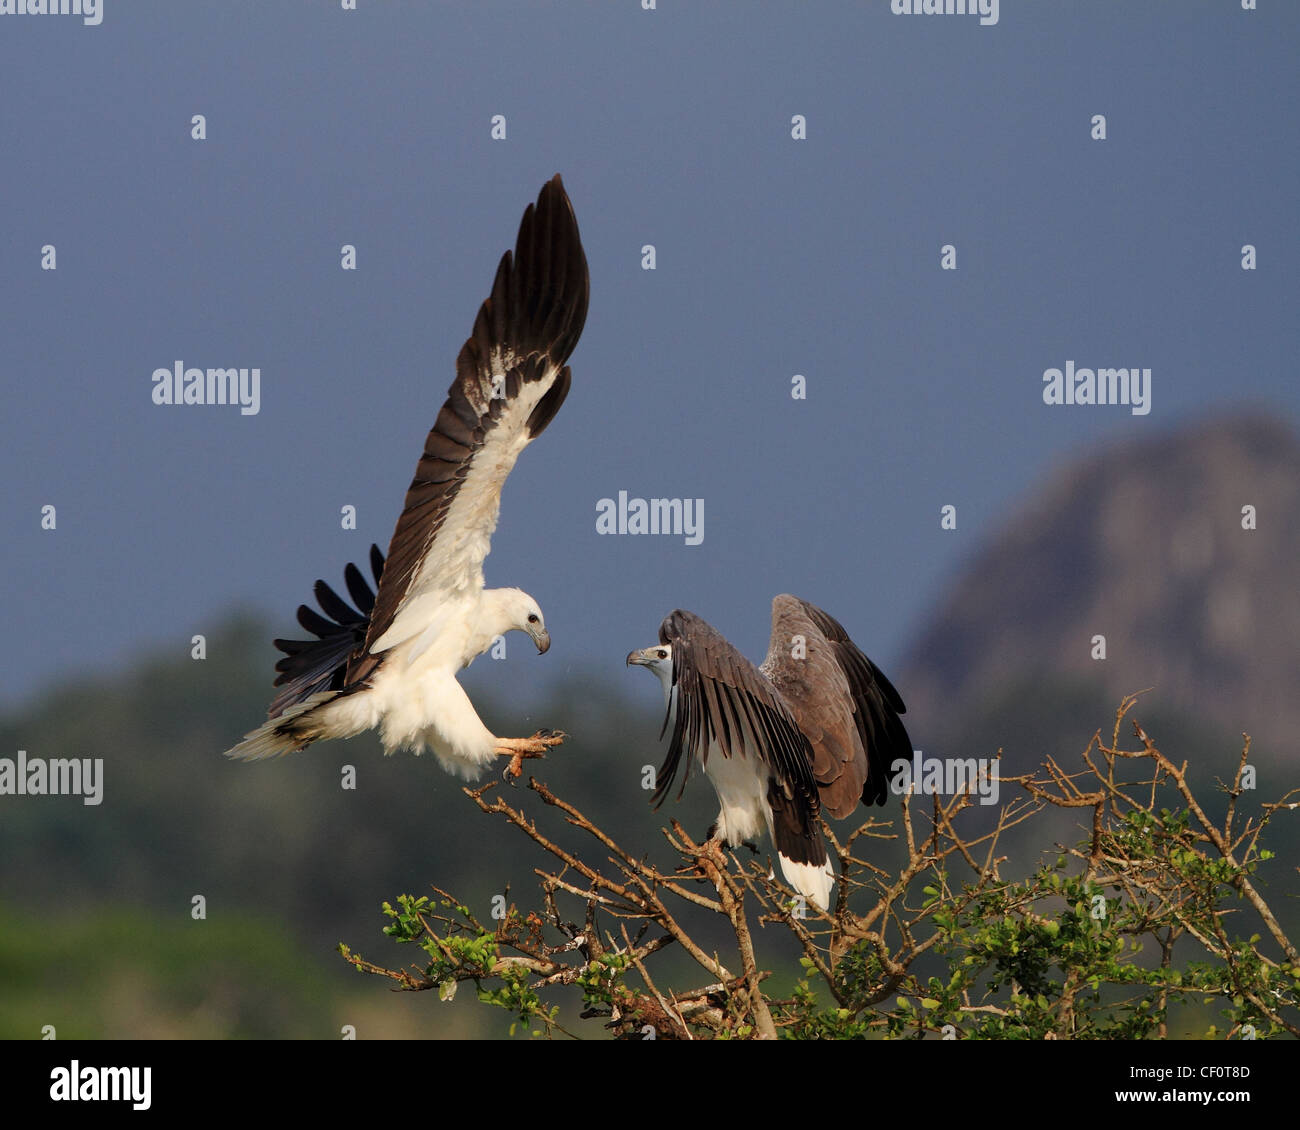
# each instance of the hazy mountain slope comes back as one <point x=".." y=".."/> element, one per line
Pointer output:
<point x="1141" y="543"/>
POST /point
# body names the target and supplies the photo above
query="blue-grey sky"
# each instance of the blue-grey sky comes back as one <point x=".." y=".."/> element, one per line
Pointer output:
<point x="775" y="257"/>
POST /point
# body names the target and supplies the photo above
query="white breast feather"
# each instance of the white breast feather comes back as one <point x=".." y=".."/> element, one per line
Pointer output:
<point x="741" y="784"/>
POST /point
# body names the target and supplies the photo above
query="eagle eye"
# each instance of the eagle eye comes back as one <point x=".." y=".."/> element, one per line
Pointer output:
<point x="663" y="654"/>
<point x="532" y="618"/>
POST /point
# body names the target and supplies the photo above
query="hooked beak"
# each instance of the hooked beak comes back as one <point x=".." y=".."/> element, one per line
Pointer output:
<point x="542" y="639"/>
<point x="636" y="657"/>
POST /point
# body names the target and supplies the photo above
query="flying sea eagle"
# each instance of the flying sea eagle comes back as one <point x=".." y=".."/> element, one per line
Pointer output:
<point x="816" y="726"/>
<point x="392" y="661"/>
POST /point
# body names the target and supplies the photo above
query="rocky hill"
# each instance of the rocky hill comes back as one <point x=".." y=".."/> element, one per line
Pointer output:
<point x="1146" y="544"/>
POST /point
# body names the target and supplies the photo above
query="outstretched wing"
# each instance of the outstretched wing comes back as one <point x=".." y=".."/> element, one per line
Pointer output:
<point x="846" y="707"/>
<point x="312" y="666"/>
<point x="511" y="379"/>
<point x="722" y="697"/>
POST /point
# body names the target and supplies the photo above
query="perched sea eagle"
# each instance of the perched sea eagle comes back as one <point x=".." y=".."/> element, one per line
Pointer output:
<point x="816" y="726"/>
<point x="392" y="661"/>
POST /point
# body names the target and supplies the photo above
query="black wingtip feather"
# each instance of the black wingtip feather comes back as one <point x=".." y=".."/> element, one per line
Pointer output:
<point x="311" y="666"/>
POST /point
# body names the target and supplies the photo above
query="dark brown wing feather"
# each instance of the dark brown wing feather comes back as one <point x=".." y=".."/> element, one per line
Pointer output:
<point x="842" y="701"/>
<point x="723" y="697"/>
<point x="533" y="317"/>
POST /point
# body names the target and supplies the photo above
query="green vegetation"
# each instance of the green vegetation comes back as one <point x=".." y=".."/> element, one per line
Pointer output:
<point x="119" y="973"/>
<point x="96" y="935"/>
<point x="1134" y="932"/>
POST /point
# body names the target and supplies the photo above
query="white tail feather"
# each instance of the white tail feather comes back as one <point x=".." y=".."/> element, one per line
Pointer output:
<point x="813" y="881"/>
<point x="266" y="742"/>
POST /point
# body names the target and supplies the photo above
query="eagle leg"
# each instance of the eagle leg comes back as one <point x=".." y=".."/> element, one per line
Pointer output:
<point x="712" y="834"/>
<point x="714" y="847"/>
<point x="517" y="749"/>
